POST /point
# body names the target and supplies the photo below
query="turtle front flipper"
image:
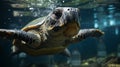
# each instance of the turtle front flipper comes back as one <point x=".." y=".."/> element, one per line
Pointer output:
<point x="18" y="34"/>
<point x="85" y="33"/>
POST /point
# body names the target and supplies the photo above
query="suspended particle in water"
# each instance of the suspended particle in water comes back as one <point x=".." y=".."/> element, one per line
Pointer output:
<point x="9" y="9"/>
<point x="112" y="22"/>
<point x="96" y="25"/>
<point x="9" y="18"/>
<point x="116" y="31"/>
<point x="63" y="1"/>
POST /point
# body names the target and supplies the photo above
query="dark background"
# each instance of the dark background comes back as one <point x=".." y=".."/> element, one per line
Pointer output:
<point x="87" y="48"/>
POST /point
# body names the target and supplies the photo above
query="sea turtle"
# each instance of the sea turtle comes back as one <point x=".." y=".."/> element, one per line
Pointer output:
<point x="50" y="34"/>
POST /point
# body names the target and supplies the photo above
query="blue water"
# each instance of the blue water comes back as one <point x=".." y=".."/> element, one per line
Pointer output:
<point x="105" y="17"/>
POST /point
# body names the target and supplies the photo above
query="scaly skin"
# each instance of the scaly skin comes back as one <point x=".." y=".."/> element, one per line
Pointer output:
<point x="52" y="35"/>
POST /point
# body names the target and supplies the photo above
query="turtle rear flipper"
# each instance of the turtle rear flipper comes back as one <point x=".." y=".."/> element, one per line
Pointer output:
<point x="66" y="53"/>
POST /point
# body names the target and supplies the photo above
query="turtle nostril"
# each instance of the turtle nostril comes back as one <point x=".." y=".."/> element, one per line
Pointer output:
<point x="68" y="9"/>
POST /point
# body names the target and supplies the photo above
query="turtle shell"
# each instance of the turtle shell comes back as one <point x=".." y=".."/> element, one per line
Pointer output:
<point x="34" y="24"/>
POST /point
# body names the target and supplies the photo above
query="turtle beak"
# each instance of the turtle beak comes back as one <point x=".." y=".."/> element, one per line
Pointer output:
<point x="70" y="15"/>
<point x="17" y="34"/>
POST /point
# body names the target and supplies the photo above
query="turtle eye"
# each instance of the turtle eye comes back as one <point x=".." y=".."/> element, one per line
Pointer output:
<point x="58" y="13"/>
<point x="56" y="29"/>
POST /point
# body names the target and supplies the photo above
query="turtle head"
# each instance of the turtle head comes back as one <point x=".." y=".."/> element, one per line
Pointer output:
<point x="65" y="20"/>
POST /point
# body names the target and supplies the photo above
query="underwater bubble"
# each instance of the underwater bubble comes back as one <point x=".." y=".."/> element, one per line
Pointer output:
<point x="31" y="8"/>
